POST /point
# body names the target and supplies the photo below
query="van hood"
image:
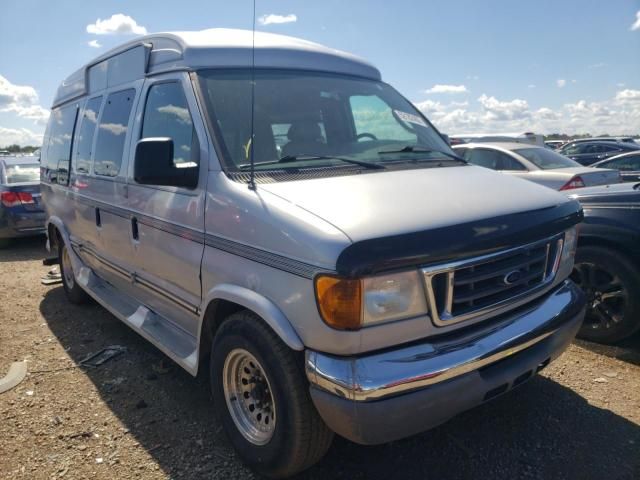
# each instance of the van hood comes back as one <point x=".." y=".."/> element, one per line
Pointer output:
<point x="404" y="213"/>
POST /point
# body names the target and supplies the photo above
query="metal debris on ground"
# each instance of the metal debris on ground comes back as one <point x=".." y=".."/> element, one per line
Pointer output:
<point x="98" y="358"/>
<point x="17" y="372"/>
<point x="52" y="277"/>
<point x="161" y="368"/>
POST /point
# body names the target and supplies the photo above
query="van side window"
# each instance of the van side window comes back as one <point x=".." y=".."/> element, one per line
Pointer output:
<point x="59" y="152"/>
<point x="166" y="114"/>
<point x="85" y="136"/>
<point x="112" y="133"/>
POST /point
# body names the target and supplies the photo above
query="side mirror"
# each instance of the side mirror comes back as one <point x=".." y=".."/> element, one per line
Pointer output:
<point x="154" y="165"/>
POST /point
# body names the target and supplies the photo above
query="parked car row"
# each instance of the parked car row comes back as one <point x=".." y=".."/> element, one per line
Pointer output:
<point x="537" y="164"/>
<point x="342" y="272"/>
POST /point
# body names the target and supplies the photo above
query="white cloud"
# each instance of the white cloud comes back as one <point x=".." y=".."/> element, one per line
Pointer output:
<point x="619" y="115"/>
<point x="94" y="44"/>
<point x="16" y="94"/>
<point x="439" y="88"/>
<point x="598" y="65"/>
<point x="21" y="100"/>
<point x="636" y="24"/>
<point x="19" y="136"/>
<point x="473" y="77"/>
<point x="561" y="82"/>
<point x="114" y="128"/>
<point x="628" y="96"/>
<point x="273" y="18"/>
<point x="620" y="84"/>
<point x="504" y="110"/>
<point x="531" y="85"/>
<point x="118" y="24"/>
<point x="180" y="112"/>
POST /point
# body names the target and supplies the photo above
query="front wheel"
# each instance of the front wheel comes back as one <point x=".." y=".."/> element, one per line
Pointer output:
<point x="75" y="294"/>
<point x="611" y="282"/>
<point x="262" y="399"/>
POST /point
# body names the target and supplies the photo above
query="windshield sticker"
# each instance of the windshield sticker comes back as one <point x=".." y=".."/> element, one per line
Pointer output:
<point x="410" y="118"/>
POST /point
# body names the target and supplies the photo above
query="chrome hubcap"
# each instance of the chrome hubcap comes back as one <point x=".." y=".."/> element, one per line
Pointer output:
<point x="248" y="395"/>
<point x="606" y="295"/>
<point x="67" y="271"/>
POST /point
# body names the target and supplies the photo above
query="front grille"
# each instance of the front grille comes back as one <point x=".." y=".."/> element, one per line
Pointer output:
<point x="470" y="288"/>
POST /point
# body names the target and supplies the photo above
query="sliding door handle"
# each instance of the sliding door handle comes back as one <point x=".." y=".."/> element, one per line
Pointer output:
<point x="134" y="228"/>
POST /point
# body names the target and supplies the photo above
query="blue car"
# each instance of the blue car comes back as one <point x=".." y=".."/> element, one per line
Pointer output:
<point x="21" y="212"/>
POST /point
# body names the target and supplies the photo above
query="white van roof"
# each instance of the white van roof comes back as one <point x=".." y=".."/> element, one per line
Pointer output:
<point x="212" y="48"/>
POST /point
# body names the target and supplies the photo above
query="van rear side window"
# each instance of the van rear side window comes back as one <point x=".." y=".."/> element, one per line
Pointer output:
<point x="112" y="133"/>
<point x="59" y="152"/>
<point x="85" y="139"/>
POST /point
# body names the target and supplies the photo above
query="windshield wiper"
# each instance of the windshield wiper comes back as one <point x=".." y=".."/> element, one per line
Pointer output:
<point x="305" y="156"/>
<point x="419" y="149"/>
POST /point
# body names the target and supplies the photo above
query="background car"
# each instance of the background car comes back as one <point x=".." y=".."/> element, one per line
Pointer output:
<point x="607" y="265"/>
<point x="21" y="213"/>
<point x="600" y="139"/>
<point x="554" y="144"/>
<point x="628" y="164"/>
<point x="586" y="153"/>
<point x="538" y="164"/>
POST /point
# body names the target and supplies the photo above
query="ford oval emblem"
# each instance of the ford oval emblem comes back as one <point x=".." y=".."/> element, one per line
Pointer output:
<point x="512" y="277"/>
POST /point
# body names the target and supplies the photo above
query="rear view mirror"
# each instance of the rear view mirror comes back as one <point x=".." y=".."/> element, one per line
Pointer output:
<point x="154" y="165"/>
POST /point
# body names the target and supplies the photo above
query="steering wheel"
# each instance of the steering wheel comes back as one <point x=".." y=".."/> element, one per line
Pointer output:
<point x="366" y="135"/>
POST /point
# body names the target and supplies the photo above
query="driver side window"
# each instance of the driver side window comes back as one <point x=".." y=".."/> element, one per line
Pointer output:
<point x="371" y="115"/>
<point x="167" y="115"/>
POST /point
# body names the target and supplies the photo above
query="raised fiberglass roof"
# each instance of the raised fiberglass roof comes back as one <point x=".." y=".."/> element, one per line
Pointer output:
<point x="212" y="48"/>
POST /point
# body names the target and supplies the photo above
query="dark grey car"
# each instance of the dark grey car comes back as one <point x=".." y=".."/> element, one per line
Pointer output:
<point x="21" y="212"/>
<point x="628" y="164"/>
<point x="588" y="153"/>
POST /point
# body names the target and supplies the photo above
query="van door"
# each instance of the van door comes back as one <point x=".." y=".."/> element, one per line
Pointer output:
<point x="168" y="242"/>
<point x="107" y="189"/>
<point x="84" y="227"/>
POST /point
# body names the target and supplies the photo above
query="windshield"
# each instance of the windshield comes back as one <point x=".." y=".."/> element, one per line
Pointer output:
<point x="546" y="159"/>
<point x="313" y="116"/>
<point x="26" y="172"/>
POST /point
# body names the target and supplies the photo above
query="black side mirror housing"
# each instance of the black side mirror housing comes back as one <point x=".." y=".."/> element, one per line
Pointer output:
<point x="154" y="165"/>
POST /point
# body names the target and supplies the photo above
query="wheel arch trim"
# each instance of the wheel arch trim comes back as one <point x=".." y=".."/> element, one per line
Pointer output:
<point x="260" y="305"/>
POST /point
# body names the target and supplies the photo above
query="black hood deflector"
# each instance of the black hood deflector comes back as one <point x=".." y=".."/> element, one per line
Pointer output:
<point x="456" y="241"/>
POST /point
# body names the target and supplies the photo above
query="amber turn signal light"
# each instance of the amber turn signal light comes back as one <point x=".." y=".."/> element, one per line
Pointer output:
<point x="339" y="302"/>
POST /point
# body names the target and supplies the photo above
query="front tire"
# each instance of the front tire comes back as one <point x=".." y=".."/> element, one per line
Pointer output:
<point x="261" y="398"/>
<point x="611" y="282"/>
<point x="5" y="243"/>
<point x="74" y="292"/>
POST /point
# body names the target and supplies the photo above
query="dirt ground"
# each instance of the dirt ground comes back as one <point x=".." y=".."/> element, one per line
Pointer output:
<point x="138" y="416"/>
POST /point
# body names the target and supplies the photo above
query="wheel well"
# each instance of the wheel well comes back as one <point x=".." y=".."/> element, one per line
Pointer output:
<point x="606" y="243"/>
<point x="54" y="237"/>
<point x="217" y="311"/>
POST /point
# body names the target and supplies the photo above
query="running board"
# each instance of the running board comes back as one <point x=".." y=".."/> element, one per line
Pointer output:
<point x="177" y="344"/>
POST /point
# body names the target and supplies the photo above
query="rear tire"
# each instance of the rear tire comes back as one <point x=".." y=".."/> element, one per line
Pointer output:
<point x="5" y="242"/>
<point x="271" y="422"/>
<point x="611" y="281"/>
<point x="74" y="292"/>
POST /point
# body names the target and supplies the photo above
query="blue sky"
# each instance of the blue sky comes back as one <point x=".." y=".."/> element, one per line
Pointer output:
<point x="471" y="66"/>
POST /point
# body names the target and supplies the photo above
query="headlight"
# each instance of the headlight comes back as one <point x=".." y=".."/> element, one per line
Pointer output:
<point x="350" y="304"/>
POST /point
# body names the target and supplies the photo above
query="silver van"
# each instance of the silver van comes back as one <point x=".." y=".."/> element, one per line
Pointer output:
<point x="284" y="213"/>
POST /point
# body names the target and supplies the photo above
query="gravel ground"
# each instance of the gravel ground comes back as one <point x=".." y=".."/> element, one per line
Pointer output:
<point x="139" y="416"/>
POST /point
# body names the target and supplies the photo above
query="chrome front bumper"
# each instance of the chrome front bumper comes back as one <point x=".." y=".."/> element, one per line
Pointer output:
<point x="491" y="357"/>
